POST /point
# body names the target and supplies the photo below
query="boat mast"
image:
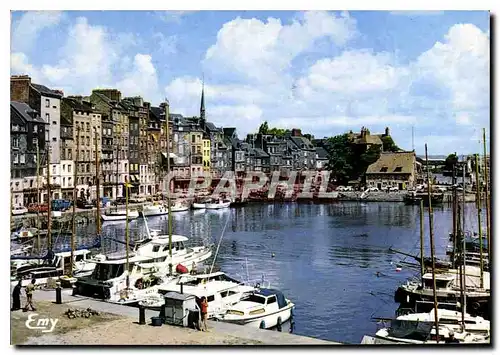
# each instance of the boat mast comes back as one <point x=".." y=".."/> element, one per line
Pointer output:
<point x="478" y="197"/>
<point x="75" y="196"/>
<point x="464" y="307"/>
<point x="168" y="191"/>
<point x="49" y="199"/>
<point x="460" y="268"/>
<point x="98" y="199"/>
<point x="431" y="236"/>
<point x="126" y="185"/>
<point x="454" y="213"/>
<point x="38" y="196"/>
<point x="487" y="198"/>
<point x="422" y="266"/>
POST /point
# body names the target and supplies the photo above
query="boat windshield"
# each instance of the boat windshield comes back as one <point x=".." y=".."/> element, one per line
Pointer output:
<point x="256" y="299"/>
<point x="103" y="272"/>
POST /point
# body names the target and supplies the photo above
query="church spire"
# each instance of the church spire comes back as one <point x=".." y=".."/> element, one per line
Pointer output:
<point x="202" y="107"/>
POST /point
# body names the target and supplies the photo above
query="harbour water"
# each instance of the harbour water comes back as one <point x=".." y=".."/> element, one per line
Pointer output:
<point x="323" y="257"/>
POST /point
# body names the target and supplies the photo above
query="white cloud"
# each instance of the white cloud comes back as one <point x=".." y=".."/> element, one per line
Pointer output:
<point x="26" y="30"/>
<point x="166" y="44"/>
<point x="262" y="51"/>
<point x="93" y="57"/>
<point x="142" y="80"/>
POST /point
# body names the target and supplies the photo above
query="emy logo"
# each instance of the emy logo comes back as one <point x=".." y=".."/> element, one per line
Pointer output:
<point x="46" y="325"/>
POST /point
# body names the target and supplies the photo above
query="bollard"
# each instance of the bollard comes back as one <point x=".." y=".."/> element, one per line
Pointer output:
<point x="58" y="293"/>
<point x="142" y="315"/>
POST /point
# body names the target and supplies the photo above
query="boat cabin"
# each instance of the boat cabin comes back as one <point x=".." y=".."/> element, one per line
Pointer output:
<point x="443" y="281"/>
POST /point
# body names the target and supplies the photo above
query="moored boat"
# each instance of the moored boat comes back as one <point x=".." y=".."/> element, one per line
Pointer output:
<point x="265" y="308"/>
<point x="155" y="209"/>
<point x="120" y="215"/>
<point x="218" y="205"/>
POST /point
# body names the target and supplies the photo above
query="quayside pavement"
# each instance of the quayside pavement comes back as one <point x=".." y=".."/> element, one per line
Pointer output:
<point x="266" y="337"/>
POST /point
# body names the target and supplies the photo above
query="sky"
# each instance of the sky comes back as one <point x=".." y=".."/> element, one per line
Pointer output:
<point x="325" y="72"/>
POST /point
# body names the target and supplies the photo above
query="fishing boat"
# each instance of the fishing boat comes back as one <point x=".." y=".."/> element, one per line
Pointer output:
<point x="201" y="203"/>
<point x="448" y="290"/>
<point x="155" y="209"/>
<point x="414" y="198"/>
<point x="264" y="308"/>
<point x="218" y="205"/>
<point x="119" y="215"/>
<point x="220" y="290"/>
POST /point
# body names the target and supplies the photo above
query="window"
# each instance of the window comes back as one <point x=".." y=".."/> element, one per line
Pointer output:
<point x="271" y="299"/>
<point x="15" y="142"/>
<point x="47" y="103"/>
<point x="54" y="139"/>
<point x="54" y="122"/>
<point x="64" y="181"/>
<point x="22" y="159"/>
<point x="156" y="248"/>
<point x="16" y="158"/>
<point x="384" y="169"/>
<point x="193" y="138"/>
<point x="35" y="128"/>
<point x="210" y="298"/>
<point x="398" y="169"/>
<point x="69" y="166"/>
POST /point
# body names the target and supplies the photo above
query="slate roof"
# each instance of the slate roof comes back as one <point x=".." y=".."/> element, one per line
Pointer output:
<point x="76" y="105"/>
<point x="393" y="163"/>
<point x="45" y="91"/>
<point x="259" y="153"/>
<point x="155" y="113"/>
<point x="229" y="131"/>
<point x="322" y="153"/>
<point x="24" y="112"/>
<point x="302" y="142"/>
<point x="210" y="127"/>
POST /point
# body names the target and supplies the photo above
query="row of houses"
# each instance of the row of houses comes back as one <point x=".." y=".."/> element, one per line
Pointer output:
<point x="63" y="141"/>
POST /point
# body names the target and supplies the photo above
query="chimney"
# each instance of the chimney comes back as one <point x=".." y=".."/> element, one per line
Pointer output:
<point x="363" y="132"/>
<point x="296" y="132"/>
<point x="112" y="94"/>
<point x="20" y="88"/>
<point x="60" y="92"/>
<point x="387" y="131"/>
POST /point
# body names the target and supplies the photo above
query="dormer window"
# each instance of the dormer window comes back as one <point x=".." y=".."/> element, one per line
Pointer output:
<point x="398" y="169"/>
<point x="384" y="169"/>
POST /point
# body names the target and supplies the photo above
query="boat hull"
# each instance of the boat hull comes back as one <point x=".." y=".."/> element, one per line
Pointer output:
<point x="217" y="206"/>
<point x="120" y="217"/>
<point x="265" y="321"/>
<point x="150" y="212"/>
<point x="199" y="206"/>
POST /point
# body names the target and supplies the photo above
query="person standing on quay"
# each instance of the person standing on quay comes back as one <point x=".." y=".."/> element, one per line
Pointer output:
<point x="29" y="296"/>
<point x="204" y="311"/>
<point x="16" y="296"/>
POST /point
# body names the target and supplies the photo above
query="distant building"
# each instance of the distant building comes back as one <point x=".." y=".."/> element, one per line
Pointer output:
<point x="393" y="170"/>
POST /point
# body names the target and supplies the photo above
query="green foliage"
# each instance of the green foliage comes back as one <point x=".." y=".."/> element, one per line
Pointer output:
<point x="451" y="160"/>
<point x="264" y="128"/>
<point x="278" y="132"/>
<point x="389" y="145"/>
<point x="348" y="161"/>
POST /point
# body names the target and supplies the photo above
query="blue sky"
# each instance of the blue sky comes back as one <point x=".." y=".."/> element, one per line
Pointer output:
<point x="324" y="72"/>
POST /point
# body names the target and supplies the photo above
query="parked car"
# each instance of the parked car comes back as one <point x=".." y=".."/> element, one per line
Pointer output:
<point x="19" y="210"/>
<point x="393" y="189"/>
<point x="345" y="188"/>
<point x="35" y="207"/>
<point x="372" y="189"/>
<point x="60" y="205"/>
<point x="84" y="204"/>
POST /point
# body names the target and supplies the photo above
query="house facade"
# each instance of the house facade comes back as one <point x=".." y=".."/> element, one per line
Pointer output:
<point x="393" y="170"/>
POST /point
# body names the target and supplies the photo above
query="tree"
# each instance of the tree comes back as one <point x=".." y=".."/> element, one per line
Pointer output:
<point x="389" y="145"/>
<point x="450" y="161"/>
<point x="341" y="158"/>
<point x="264" y="128"/>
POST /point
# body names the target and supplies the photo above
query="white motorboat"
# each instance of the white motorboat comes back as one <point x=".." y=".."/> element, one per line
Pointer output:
<point x="120" y="215"/>
<point x="154" y="210"/>
<point x="148" y="265"/>
<point x="265" y="308"/>
<point x="218" y="205"/>
<point x="220" y="290"/>
<point x="201" y="204"/>
<point x="179" y="207"/>
<point x="24" y="233"/>
<point x="19" y="210"/>
<point x="419" y="328"/>
<point x="41" y="269"/>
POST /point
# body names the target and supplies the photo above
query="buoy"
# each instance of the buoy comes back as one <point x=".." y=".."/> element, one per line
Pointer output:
<point x="398" y="269"/>
<point x="273" y="255"/>
<point x="262" y="325"/>
<point x="278" y="324"/>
